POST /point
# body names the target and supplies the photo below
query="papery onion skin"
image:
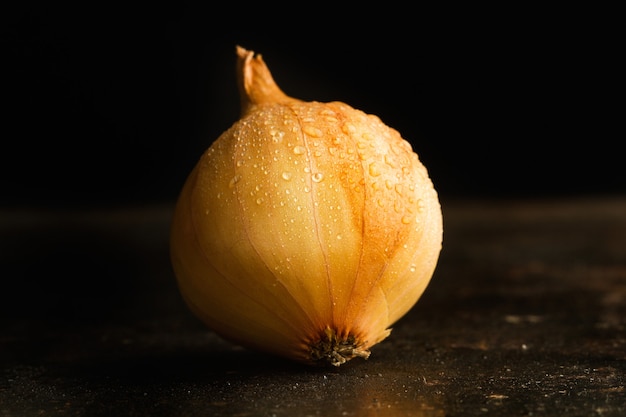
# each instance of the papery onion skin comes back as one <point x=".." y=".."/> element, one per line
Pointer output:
<point x="306" y="229"/>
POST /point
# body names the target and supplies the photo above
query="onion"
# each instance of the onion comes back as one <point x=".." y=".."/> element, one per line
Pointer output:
<point x="306" y="229"/>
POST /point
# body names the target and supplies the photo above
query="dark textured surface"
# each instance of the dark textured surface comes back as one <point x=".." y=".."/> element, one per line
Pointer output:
<point x="525" y="316"/>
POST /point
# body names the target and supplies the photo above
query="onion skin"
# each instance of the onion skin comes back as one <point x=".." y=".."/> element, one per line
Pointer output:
<point x="306" y="229"/>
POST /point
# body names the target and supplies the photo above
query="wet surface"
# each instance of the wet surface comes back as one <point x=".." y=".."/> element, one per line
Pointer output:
<point x="526" y="315"/>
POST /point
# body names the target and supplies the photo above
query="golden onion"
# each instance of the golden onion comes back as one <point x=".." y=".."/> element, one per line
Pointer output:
<point x="306" y="229"/>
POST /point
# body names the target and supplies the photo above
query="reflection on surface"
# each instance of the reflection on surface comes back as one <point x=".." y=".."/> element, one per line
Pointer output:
<point x="290" y="390"/>
<point x="377" y="397"/>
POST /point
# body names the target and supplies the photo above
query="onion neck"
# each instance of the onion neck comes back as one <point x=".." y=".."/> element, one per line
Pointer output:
<point x="255" y="81"/>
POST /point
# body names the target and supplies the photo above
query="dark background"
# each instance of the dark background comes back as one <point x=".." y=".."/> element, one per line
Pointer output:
<point x="109" y="105"/>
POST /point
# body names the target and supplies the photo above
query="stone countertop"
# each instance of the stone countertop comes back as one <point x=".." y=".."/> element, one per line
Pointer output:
<point x="525" y="315"/>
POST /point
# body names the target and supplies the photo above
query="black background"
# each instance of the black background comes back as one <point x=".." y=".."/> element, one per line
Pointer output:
<point x="109" y="105"/>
